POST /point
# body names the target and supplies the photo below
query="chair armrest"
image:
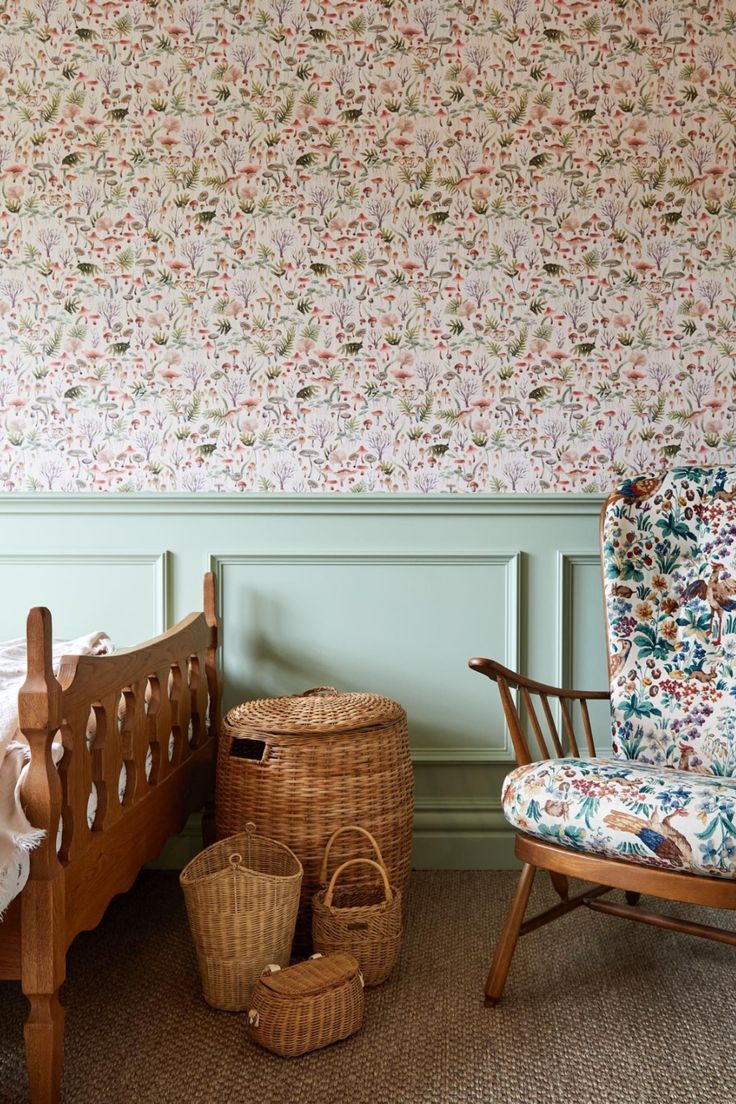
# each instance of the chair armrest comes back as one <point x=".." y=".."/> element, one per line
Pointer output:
<point x="515" y="681"/>
<point x="508" y="680"/>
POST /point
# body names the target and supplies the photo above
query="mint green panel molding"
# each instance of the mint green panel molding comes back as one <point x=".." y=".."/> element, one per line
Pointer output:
<point x="402" y="625"/>
<point x="387" y="593"/>
<point x="581" y="649"/>
<point x="125" y="595"/>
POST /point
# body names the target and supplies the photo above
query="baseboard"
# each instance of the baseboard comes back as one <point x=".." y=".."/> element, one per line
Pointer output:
<point x="464" y="851"/>
<point x="449" y="833"/>
<point x="181" y="849"/>
<point x="462" y="833"/>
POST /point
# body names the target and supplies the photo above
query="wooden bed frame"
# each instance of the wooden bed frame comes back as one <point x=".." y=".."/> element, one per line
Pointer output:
<point x="163" y="695"/>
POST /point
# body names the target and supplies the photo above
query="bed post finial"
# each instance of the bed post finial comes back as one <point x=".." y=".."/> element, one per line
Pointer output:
<point x="210" y="605"/>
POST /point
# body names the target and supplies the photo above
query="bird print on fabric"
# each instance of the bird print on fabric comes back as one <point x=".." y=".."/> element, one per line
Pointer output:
<point x="719" y="592"/>
<point x="617" y="660"/>
<point x="637" y="489"/>
<point x="659" y="836"/>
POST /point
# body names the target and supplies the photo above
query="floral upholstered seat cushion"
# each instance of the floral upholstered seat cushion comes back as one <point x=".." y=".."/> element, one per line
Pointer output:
<point x="671" y="819"/>
<point x="669" y="564"/>
<point x="668" y="797"/>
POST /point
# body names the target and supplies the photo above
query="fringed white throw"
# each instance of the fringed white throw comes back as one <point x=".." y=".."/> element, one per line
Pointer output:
<point x="17" y="835"/>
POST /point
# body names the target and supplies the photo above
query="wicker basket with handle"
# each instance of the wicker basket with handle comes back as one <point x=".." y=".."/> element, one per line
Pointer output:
<point x="358" y="919"/>
<point x="308" y="1006"/>
<point x="242" y="898"/>
<point x="305" y="765"/>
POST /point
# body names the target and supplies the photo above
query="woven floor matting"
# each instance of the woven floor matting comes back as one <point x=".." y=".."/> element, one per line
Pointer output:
<point x="596" y="1010"/>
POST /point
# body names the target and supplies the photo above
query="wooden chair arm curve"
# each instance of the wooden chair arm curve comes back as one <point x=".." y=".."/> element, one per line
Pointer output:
<point x="515" y="681"/>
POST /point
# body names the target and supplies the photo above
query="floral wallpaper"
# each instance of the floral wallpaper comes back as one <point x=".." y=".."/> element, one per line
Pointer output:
<point x="451" y="245"/>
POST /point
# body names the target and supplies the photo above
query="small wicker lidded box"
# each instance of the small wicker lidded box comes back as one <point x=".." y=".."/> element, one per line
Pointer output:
<point x="307" y="1006"/>
<point x="303" y="766"/>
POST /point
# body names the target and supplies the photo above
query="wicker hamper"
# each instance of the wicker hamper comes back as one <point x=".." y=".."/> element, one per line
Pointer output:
<point x="242" y="896"/>
<point x="308" y="1006"/>
<point x="303" y="766"/>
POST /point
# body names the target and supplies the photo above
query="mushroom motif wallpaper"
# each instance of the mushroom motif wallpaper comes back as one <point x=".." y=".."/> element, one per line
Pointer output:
<point x="288" y="245"/>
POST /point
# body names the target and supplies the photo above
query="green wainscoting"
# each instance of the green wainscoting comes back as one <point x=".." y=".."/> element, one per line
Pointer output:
<point x="387" y="594"/>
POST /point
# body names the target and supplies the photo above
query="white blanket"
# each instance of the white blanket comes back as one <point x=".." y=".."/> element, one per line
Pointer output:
<point x="17" y="835"/>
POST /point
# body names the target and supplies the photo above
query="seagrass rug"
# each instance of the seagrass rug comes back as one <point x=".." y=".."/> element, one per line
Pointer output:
<point x="596" y="1010"/>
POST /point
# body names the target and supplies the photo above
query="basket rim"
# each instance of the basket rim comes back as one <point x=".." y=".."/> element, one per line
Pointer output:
<point x="286" y="715"/>
<point x="324" y="732"/>
<point x="187" y="877"/>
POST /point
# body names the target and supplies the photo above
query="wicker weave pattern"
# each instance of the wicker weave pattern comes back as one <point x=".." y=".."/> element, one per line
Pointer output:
<point x="242" y="897"/>
<point x="308" y="1006"/>
<point x="321" y="710"/>
<point x="359" y="920"/>
<point x="318" y="762"/>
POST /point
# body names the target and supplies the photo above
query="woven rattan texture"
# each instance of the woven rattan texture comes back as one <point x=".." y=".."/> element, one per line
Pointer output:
<point x="319" y="711"/>
<point x="242" y="897"/>
<point x="362" y="921"/>
<point x="304" y="784"/>
<point x="355" y="923"/>
<point x="308" y="1006"/>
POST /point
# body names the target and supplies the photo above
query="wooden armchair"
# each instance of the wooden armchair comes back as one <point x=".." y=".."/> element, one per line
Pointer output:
<point x="672" y="666"/>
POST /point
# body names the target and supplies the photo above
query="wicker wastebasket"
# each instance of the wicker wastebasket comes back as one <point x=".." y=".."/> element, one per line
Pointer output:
<point x="303" y="766"/>
<point x="242" y="896"/>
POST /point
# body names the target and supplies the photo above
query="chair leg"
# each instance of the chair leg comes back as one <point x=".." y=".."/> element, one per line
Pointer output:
<point x="632" y="896"/>
<point x="560" y="882"/>
<point x="44" y="1038"/>
<point x="509" y="935"/>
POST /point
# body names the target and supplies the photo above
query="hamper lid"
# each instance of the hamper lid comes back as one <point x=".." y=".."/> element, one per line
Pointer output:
<point x="313" y="976"/>
<point x="323" y="709"/>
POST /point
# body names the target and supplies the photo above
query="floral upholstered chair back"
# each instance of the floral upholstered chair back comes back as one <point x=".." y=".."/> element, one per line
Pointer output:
<point x="669" y="564"/>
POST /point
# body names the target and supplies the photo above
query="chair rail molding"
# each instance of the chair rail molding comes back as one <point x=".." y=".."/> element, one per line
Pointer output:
<point x="459" y="814"/>
<point x="287" y="503"/>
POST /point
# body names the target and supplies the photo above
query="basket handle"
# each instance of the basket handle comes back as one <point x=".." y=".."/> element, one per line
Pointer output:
<point x="321" y="691"/>
<point x="349" y="828"/>
<point x="236" y="859"/>
<point x="354" y="862"/>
